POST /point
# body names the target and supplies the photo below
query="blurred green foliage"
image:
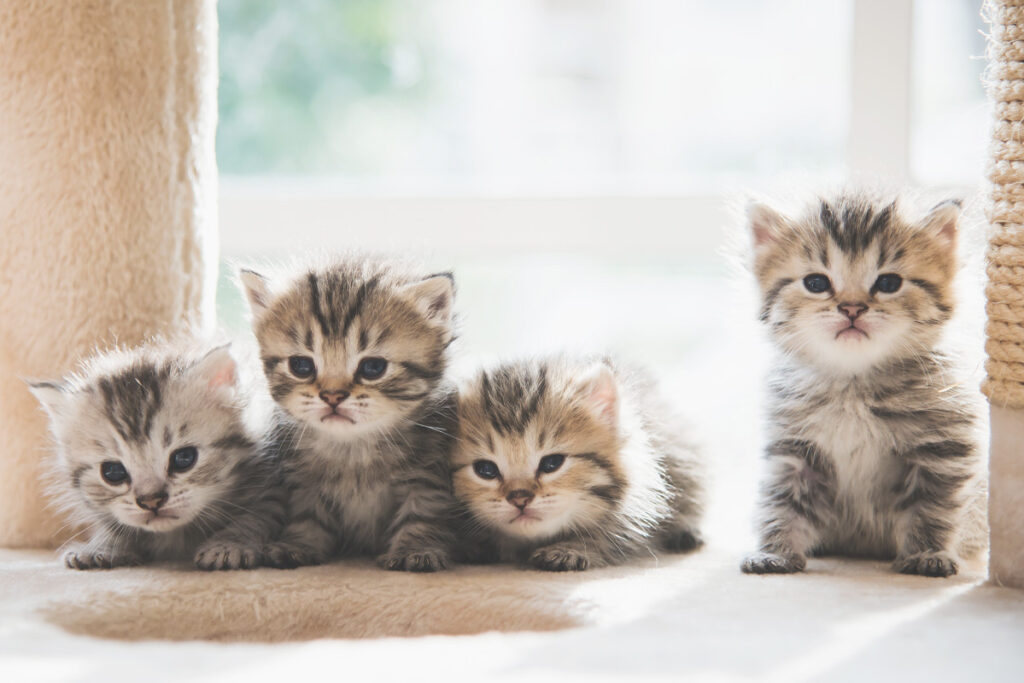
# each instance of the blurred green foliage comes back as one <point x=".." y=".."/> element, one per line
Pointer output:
<point x="299" y="79"/>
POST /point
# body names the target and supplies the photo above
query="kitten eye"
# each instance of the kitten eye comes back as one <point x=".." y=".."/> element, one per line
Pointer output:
<point x="485" y="469"/>
<point x="550" y="463"/>
<point x="817" y="283"/>
<point x="113" y="472"/>
<point x="888" y="283"/>
<point x="183" y="459"/>
<point x="372" y="368"/>
<point x="302" y="367"/>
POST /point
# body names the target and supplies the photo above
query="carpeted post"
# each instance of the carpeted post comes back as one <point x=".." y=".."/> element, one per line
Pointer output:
<point x="107" y="201"/>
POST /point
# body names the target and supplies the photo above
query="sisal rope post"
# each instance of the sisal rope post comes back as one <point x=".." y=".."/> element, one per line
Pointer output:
<point x="1004" y="384"/>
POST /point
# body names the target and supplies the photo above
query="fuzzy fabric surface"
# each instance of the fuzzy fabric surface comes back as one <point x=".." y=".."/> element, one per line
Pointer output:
<point x="695" y="616"/>
<point x="107" y="118"/>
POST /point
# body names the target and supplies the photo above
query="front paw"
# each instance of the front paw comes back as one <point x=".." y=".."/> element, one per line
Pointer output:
<point x="772" y="563"/>
<point x="290" y="556"/>
<point x="100" y="559"/>
<point x="415" y="561"/>
<point x="939" y="564"/>
<point x="559" y="558"/>
<point x="682" y="540"/>
<point x="227" y="555"/>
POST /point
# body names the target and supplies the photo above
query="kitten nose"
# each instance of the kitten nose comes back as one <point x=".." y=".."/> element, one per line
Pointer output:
<point x="520" y="498"/>
<point x="152" y="502"/>
<point x="333" y="398"/>
<point x="852" y="311"/>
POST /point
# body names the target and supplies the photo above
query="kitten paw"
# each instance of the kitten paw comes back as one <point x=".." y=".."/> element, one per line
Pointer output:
<point x="938" y="564"/>
<point x="419" y="561"/>
<point x="100" y="559"/>
<point x="226" y="555"/>
<point x="559" y="559"/>
<point x="771" y="563"/>
<point x="682" y="540"/>
<point x="288" y="556"/>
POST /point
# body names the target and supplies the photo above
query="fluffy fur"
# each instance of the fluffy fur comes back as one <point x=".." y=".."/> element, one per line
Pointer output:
<point x="872" y="443"/>
<point x="567" y="464"/>
<point x="355" y="353"/>
<point x="154" y="460"/>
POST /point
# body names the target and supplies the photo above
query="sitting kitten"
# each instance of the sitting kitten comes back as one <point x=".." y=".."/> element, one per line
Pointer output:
<point x="154" y="460"/>
<point x="872" y="448"/>
<point x="355" y="354"/>
<point x="567" y="465"/>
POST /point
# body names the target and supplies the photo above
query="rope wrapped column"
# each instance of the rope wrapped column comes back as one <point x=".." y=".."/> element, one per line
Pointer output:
<point x="1004" y="384"/>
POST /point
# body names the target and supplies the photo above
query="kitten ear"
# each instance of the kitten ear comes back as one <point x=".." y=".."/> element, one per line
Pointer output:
<point x="257" y="290"/>
<point x="433" y="297"/>
<point x="53" y="396"/>
<point x="600" y="392"/>
<point x="942" y="221"/>
<point x="765" y="223"/>
<point x="218" y="369"/>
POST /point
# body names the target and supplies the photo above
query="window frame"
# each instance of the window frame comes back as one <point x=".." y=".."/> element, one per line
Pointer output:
<point x="265" y="215"/>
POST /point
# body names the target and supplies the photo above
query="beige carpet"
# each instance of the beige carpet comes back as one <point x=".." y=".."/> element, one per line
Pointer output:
<point x="696" y="615"/>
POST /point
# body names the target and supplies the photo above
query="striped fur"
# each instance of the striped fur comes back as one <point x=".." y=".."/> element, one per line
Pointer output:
<point x="872" y="440"/>
<point x="137" y="409"/>
<point x="628" y="484"/>
<point x="366" y="456"/>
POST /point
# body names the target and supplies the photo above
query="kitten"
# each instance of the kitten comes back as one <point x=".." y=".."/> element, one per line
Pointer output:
<point x="872" y="447"/>
<point x="355" y="354"/>
<point x="154" y="460"/>
<point x="568" y="464"/>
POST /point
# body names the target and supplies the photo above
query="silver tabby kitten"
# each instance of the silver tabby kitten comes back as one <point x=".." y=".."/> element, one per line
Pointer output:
<point x="153" y="458"/>
<point x="568" y="464"/>
<point x="355" y="354"/>
<point x="872" y="431"/>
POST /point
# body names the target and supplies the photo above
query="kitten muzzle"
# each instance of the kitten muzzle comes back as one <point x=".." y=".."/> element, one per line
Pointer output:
<point x="334" y="415"/>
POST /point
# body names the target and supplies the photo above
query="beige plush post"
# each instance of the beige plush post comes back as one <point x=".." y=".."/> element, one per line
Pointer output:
<point x="1005" y="346"/>
<point x="107" y="192"/>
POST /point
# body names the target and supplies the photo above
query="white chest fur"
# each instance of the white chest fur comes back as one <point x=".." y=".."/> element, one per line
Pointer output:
<point x="859" y="445"/>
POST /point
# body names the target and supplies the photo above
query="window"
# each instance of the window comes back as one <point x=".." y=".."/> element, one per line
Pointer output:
<point x="534" y="95"/>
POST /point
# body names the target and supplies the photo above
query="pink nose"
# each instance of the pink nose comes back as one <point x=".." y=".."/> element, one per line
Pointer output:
<point x="520" y="498"/>
<point x="152" y="502"/>
<point x="333" y="398"/>
<point x="852" y="311"/>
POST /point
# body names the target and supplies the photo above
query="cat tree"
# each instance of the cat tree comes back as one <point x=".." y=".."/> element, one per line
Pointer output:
<point x="1004" y="385"/>
<point x="107" y="118"/>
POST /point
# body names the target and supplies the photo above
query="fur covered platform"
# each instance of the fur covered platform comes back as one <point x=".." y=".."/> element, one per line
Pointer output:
<point x="690" y="615"/>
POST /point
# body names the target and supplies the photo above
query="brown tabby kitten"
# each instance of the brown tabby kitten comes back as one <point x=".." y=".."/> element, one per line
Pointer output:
<point x="568" y="464"/>
<point x="155" y="461"/>
<point x="355" y="353"/>
<point x="872" y="430"/>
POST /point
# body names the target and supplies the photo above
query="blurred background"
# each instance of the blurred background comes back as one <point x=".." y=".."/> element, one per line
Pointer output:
<point x="574" y="160"/>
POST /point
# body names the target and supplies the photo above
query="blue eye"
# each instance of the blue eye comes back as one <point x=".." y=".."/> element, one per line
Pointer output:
<point x="113" y="472"/>
<point x="550" y="463"/>
<point x="302" y="367"/>
<point x="816" y="283"/>
<point x="888" y="283"/>
<point x="183" y="459"/>
<point x="485" y="469"/>
<point x="372" y="368"/>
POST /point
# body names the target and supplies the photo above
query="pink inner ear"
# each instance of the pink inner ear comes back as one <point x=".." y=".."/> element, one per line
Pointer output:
<point x="762" y="234"/>
<point x="948" y="231"/>
<point x="604" y="399"/>
<point x="224" y="377"/>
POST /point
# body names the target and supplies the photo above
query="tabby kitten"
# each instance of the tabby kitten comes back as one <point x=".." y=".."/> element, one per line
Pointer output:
<point x="153" y="458"/>
<point x="355" y="354"/>
<point x="872" y="447"/>
<point x="568" y="464"/>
